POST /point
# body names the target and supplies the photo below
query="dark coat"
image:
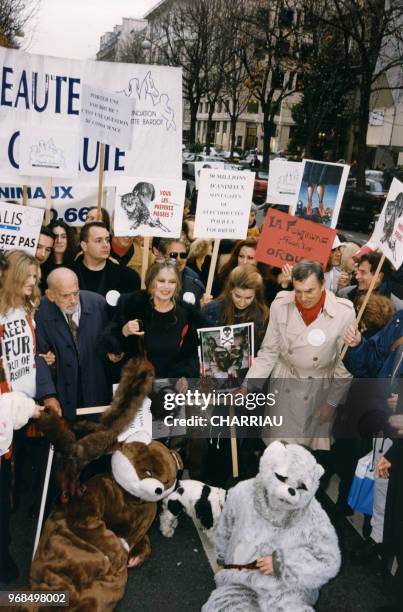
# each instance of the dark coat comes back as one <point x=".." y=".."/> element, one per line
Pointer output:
<point x="85" y="370"/>
<point x="184" y="359"/>
<point x="118" y="278"/>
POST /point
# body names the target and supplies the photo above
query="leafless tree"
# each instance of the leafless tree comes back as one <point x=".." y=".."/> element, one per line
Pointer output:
<point x="372" y="31"/>
<point x="15" y="15"/>
<point x="269" y="39"/>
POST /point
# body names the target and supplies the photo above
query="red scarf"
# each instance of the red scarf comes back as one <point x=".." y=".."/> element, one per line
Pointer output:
<point x="310" y="314"/>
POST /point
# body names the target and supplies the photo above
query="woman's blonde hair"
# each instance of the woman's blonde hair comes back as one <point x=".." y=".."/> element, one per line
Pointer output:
<point x="158" y="266"/>
<point x="199" y="248"/>
<point x="348" y="250"/>
<point x="13" y="280"/>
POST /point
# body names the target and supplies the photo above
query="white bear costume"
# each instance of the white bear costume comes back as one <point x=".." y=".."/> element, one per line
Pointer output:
<point x="275" y="514"/>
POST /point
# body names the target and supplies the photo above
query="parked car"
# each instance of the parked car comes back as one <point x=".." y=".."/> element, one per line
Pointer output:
<point x="358" y="209"/>
<point x="260" y="187"/>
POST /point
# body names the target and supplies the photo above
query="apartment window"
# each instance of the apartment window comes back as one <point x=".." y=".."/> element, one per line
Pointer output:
<point x="253" y="106"/>
<point x="277" y="79"/>
<point x="224" y="127"/>
<point x="286" y="18"/>
<point x="239" y="141"/>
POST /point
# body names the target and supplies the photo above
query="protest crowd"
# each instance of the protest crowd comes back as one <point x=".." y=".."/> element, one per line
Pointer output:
<point x="75" y="344"/>
<point x="167" y="351"/>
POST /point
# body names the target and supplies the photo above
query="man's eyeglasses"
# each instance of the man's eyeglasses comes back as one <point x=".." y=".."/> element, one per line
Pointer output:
<point x="175" y="255"/>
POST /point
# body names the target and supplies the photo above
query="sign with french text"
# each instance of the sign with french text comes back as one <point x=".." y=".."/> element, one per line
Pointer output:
<point x="287" y="240"/>
<point x="19" y="227"/>
<point x="43" y="91"/>
<point x="149" y="207"/>
<point x="223" y="204"/>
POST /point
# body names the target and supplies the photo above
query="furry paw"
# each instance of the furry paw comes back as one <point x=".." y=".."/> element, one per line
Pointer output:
<point x="167" y="530"/>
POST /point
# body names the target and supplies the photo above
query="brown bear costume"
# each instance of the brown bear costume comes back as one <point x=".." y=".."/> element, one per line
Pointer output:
<point x="85" y="548"/>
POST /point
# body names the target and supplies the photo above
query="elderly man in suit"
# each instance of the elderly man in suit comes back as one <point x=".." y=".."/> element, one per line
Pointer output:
<point x="69" y="324"/>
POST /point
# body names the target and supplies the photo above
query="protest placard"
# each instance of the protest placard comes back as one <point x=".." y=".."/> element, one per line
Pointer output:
<point x="107" y="117"/>
<point x="49" y="152"/>
<point x="149" y="207"/>
<point x="226" y="353"/>
<point x="223" y="204"/>
<point x="287" y="240"/>
<point x="284" y="181"/>
<point x="42" y="90"/>
<point x="198" y="167"/>
<point x="70" y="200"/>
<point x="19" y="227"/>
<point x="320" y="192"/>
<point x="388" y="232"/>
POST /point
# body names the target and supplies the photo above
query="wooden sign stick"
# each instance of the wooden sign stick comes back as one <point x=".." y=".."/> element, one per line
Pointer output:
<point x="365" y="302"/>
<point x="48" y="200"/>
<point x="144" y="263"/>
<point x="25" y="195"/>
<point x="101" y="180"/>
<point x="213" y="266"/>
<point x="234" y="447"/>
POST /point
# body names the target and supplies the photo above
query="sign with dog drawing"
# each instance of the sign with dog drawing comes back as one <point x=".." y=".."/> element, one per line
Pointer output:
<point x="149" y="207"/>
<point x="49" y="152"/>
<point x="45" y="92"/>
<point x="388" y="232"/>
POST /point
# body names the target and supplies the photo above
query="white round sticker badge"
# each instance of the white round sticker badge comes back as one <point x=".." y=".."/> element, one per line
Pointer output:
<point x="316" y="337"/>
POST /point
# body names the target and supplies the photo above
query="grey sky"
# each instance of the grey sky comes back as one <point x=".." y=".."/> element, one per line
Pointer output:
<point x="72" y="28"/>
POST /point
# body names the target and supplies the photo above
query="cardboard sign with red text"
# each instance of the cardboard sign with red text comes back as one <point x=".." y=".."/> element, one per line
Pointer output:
<point x="286" y="239"/>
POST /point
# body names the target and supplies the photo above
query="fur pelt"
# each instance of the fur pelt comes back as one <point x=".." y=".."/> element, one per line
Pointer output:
<point x="86" y="546"/>
<point x="83" y="441"/>
<point x="275" y="515"/>
<point x="199" y="501"/>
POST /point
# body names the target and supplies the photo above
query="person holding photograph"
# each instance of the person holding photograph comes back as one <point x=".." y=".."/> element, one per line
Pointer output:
<point x="242" y="301"/>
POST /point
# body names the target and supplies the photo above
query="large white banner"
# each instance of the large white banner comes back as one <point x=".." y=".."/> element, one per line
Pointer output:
<point x="223" y="204"/>
<point x="284" y="181"/>
<point x="38" y="90"/>
<point x="19" y="227"/>
<point x="388" y="232"/>
<point x="149" y="207"/>
<point x="70" y="201"/>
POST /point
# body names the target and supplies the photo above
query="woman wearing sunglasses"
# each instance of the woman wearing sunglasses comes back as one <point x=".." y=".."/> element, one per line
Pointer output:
<point x="157" y="322"/>
<point x="192" y="288"/>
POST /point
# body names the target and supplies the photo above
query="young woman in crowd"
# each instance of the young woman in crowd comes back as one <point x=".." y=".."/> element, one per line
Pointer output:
<point x="154" y="320"/>
<point x="242" y="301"/>
<point x="65" y="247"/>
<point x="348" y="264"/>
<point x="244" y="252"/>
<point x="19" y="295"/>
<point x="199" y="258"/>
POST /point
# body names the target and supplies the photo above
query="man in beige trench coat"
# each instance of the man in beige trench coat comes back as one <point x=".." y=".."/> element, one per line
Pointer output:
<point x="300" y="352"/>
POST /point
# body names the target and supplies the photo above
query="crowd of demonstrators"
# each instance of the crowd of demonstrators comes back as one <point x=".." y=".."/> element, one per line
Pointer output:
<point x="74" y="345"/>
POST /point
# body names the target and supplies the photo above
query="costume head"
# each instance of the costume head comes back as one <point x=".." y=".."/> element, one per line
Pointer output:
<point x="144" y="468"/>
<point x="287" y="481"/>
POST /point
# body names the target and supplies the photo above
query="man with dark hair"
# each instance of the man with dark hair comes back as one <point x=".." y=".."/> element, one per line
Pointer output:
<point x="94" y="269"/>
<point x="365" y="272"/>
<point x="43" y="250"/>
<point x="178" y="249"/>
<point x="300" y="353"/>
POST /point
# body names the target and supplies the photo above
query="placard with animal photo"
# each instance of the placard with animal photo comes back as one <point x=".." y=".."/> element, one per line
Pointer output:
<point x="149" y="207"/>
<point x="226" y="352"/>
<point x="388" y="232"/>
<point x="320" y="192"/>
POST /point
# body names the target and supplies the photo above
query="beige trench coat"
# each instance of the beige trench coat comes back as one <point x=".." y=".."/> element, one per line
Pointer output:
<point x="304" y="365"/>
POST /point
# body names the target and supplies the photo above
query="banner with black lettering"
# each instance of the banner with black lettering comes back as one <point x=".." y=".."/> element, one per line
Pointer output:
<point x="38" y="90"/>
